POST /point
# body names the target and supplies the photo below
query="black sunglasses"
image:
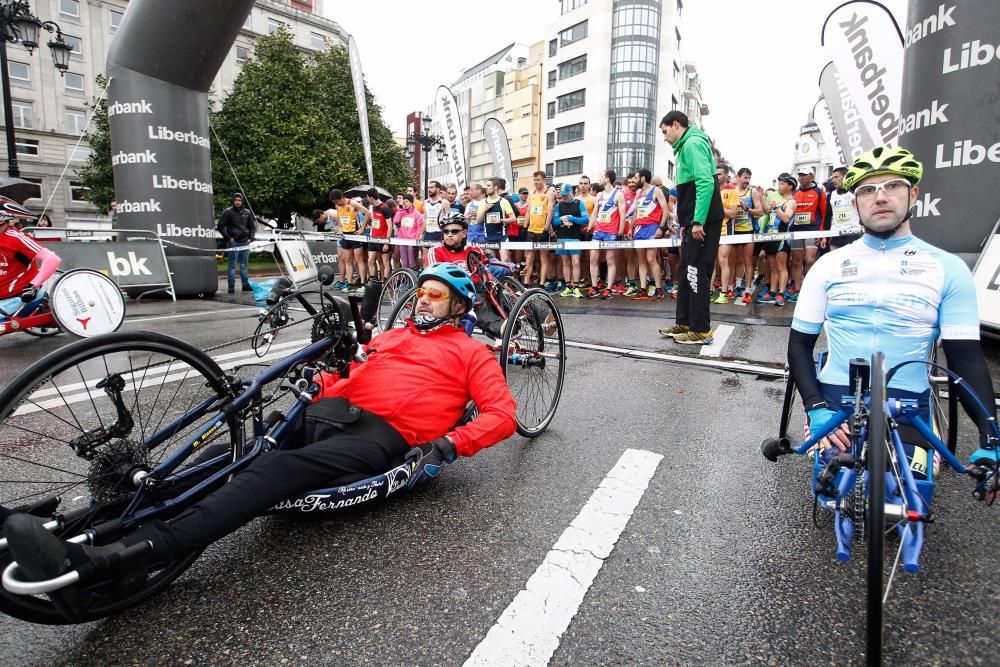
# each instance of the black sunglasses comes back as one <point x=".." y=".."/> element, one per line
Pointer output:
<point x="453" y="232"/>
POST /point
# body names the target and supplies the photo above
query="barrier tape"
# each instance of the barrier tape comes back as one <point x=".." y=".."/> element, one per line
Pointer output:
<point x="729" y="239"/>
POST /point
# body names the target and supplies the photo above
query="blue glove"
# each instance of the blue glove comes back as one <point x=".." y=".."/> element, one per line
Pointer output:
<point x="988" y="453"/>
<point x="427" y="459"/>
<point x="821" y="418"/>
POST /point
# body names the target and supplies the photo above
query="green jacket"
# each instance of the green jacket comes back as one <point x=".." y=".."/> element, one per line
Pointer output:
<point x="698" y="199"/>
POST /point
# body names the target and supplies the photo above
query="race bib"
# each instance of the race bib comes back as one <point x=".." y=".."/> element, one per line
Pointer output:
<point x="376" y="224"/>
<point x="645" y="210"/>
<point x="493" y="218"/>
<point x="842" y="216"/>
<point x="431" y="225"/>
<point x="604" y="216"/>
<point x="522" y="221"/>
<point x="406" y="222"/>
<point x="537" y="209"/>
<point x="803" y="218"/>
<point x="346" y="221"/>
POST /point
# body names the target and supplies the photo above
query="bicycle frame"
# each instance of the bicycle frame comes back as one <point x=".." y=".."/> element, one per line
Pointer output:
<point x="25" y="318"/>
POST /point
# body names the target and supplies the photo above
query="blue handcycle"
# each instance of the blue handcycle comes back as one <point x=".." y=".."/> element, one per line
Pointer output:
<point x="871" y="489"/>
<point x="105" y="434"/>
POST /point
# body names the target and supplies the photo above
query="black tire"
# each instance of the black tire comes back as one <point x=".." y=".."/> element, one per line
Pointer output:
<point x="875" y="465"/>
<point x="43" y="332"/>
<point x="195" y="373"/>
<point x="532" y="357"/>
<point x="267" y="329"/>
<point x="402" y="311"/>
<point x="509" y="290"/>
<point x="398" y="284"/>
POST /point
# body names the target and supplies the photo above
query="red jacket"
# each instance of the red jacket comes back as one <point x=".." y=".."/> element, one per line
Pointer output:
<point x="421" y="382"/>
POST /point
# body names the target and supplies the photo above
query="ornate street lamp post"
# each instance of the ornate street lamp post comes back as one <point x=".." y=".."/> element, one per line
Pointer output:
<point x="425" y="142"/>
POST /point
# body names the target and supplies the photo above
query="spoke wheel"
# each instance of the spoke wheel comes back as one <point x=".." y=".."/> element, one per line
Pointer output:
<point x="77" y="425"/>
<point x="399" y="283"/>
<point x="874" y="531"/>
<point x="532" y="356"/>
<point x="267" y="330"/>
<point x="508" y="291"/>
<point x="402" y="311"/>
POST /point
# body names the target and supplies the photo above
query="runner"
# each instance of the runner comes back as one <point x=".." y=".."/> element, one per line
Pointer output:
<point x="379" y="249"/>
<point x="477" y="230"/>
<point x="608" y="224"/>
<point x="673" y="252"/>
<point x="810" y="213"/>
<point x="841" y="213"/>
<point x="650" y="215"/>
<point x="782" y="211"/>
<point x="541" y="204"/>
<point x="631" y="277"/>
<point x="723" y="266"/>
<point x="750" y="208"/>
<point x="495" y="213"/>
<point x="349" y="252"/>
<point x="435" y="209"/>
<point x="411" y="225"/>
<point x="519" y="231"/>
<point x="570" y="219"/>
<point x="417" y="202"/>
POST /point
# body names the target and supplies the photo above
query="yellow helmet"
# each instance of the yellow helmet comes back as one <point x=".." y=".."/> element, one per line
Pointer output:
<point x="884" y="160"/>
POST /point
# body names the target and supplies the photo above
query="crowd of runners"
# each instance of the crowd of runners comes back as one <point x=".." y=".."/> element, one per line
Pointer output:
<point x="613" y="207"/>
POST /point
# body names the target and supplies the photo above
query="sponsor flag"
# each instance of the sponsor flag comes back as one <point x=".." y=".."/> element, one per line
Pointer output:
<point x="852" y="133"/>
<point x="821" y="114"/>
<point x="866" y="46"/>
<point x="449" y="119"/>
<point x="499" y="147"/>
<point x="357" y="76"/>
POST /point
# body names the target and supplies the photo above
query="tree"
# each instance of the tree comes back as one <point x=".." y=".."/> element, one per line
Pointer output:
<point x="97" y="174"/>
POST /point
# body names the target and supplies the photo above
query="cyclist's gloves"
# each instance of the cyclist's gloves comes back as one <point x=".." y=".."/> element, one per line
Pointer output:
<point x="29" y="294"/>
<point x="428" y="459"/>
<point x="820" y="419"/>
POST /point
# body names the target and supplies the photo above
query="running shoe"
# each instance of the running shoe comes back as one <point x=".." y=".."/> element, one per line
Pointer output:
<point x="746" y="298"/>
<point x="553" y="286"/>
<point x="721" y="299"/>
<point x="631" y="291"/>
<point x="566" y="292"/>
<point x="669" y="287"/>
<point x="618" y="288"/>
<point x="794" y="297"/>
<point x="673" y="293"/>
<point x="738" y="291"/>
<point x="658" y="295"/>
<point x="593" y="293"/>
<point x="765" y="297"/>
<point x="695" y="338"/>
<point x="779" y="300"/>
<point x="674" y="331"/>
<point x="730" y="294"/>
<point x="640" y="296"/>
<point x="717" y="285"/>
<point x="576" y="294"/>
<point x="607" y="294"/>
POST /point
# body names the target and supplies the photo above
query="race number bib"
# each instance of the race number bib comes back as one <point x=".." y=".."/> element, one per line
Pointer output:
<point x="346" y="221"/>
<point x="645" y="210"/>
<point x="406" y="222"/>
<point x="604" y="216"/>
<point x="493" y="218"/>
<point x="537" y="209"/>
<point x="376" y="223"/>
<point x="522" y="221"/>
<point x="803" y="218"/>
<point x="842" y="216"/>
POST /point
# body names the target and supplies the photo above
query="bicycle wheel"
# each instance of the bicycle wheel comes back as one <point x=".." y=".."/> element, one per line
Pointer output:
<point x="402" y="311"/>
<point x="395" y="287"/>
<point x="267" y="330"/>
<point x="87" y="303"/>
<point x="76" y="426"/>
<point x="532" y="356"/>
<point x="874" y="527"/>
<point x="507" y="291"/>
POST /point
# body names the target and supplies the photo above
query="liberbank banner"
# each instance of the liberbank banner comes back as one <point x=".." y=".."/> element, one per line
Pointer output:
<point x="853" y="138"/>
<point x="450" y="120"/>
<point x="950" y="120"/>
<point x="499" y="147"/>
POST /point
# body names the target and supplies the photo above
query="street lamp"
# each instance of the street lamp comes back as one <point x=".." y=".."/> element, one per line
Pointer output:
<point x="18" y="24"/>
<point x="425" y="142"/>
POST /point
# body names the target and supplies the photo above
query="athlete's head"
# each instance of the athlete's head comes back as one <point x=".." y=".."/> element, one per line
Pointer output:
<point x="237" y="199"/>
<point x="673" y="126"/>
<point x="884" y="183"/>
<point x="539" y="179"/>
<point x="722" y="174"/>
<point x="456" y="229"/>
<point x="451" y="194"/>
<point x="837" y="177"/>
<point x="806" y="177"/>
<point x="433" y="188"/>
<point x="337" y="197"/>
<point x="643" y="176"/>
<point x="407" y="202"/>
<point x="610" y="176"/>
<point x="786" y="184"/>
<point x="493" y="186"/>
<point x="584" y="185"/>
<point x="566" y="192"/>
<point x="12" y="213"/>
<point x="743" y="177"/>
<point x="445" y="292"/>
<point x="478" y="191"/>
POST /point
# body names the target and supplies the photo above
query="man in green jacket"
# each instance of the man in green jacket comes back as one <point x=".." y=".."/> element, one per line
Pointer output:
<point x="700" y="214"/>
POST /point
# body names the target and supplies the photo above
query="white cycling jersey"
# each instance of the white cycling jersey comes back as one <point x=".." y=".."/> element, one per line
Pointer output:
<point x="896" y="295"/>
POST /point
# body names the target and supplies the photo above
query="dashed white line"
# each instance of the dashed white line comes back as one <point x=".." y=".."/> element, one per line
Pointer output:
<point x="529" y="629"/>
<point x="720" y="336"/>
<point x="180" y="315"/>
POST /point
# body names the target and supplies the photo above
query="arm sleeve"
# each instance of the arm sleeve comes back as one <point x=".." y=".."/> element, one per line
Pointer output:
<point x="966" y="359"/>
<point x="49" y="263"/>
<point x="581" y="219"/>
<point x="221" y="225"/>
<point x="704" y="181"/>
<point x="803" y="369"/>
<point x="488" y="390"/>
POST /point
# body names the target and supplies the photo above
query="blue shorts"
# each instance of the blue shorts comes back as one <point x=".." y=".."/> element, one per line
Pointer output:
<point x="567" y="251"/>
<point x="645" y="232"/>
<point x="605" y="236"/>
<point x="434" y="236"/>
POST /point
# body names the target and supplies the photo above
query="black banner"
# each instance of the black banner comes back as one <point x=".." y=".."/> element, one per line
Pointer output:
<point x="950" y="121"/>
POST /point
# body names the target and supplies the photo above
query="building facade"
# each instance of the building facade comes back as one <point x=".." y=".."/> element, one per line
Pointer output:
<point x="811" y="151"/>
<point x="612" y="70"/>
<point x="51" y="113"/>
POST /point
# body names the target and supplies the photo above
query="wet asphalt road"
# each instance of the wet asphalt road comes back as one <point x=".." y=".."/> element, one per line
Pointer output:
<point x="719" y="565"/>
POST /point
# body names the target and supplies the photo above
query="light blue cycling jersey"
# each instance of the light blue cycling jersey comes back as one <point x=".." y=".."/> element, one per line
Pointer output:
<point x="896" y="295"/>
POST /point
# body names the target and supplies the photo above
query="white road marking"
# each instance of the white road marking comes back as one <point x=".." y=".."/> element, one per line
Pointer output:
<point x="737" y="366"/>
<point x="529" y="629"/>
<point x="719" y="336"/>
<point x="179" y="315"/>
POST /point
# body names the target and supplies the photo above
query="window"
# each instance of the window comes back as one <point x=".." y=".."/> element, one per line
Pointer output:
<point x="634" y="57"/>
<point x="631" y="20"/>
<point x="273" y="25"/>
<point x="73" y="82"/>
<point x="552" y="78"/>
<point x="571" y="165"/>
<point x="24" y="115"/>
<point x="79" y="153"/>
<point x="572" y="34"/>
<point x="553" y="46"/>
<point x="76" y="122"/>
<point x="573" y="67"/>
<point x="242" y="54"/>
<point x="525" y="141"/>
<point x="26" y="146"/>
<point x="77" y="191"/>
<point x="569" y="133"/>
<point x="36" y="181"/>
<point x="248" y="24"/>
<point x="567" y="6"/>
<point x="509" y="117"/>
<point x="550" y="140"/>
<point x="116" y="20"/>
<point x="19" y="71"/>
<point x="74" y="43"/>
<point x="573" y="100"/>
<point x="317" y="41"/>
<point x="550" y="111"/>
<point x="632" y="92"/>
<point x="70" y="8"/>
<point x="526" y="111"/>
<point x="549" y="168"/>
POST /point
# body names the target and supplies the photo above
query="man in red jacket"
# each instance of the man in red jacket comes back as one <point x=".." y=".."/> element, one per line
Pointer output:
<point x="404" y="403"/>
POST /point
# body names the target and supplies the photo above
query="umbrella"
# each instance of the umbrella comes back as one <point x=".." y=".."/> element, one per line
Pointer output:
<point x="361" y="190"/>
<point x="19" y="189"/>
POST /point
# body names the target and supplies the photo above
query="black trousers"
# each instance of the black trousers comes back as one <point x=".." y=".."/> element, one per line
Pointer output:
<point x="697" y="263"/>
<point x="331" y="455"/>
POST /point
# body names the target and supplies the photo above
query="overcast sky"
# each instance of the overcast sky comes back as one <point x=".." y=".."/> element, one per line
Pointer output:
<point x="759" y="61"/>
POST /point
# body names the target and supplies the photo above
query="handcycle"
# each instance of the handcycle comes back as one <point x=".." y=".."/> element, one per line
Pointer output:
<point x="106" y="434"/>
<point x="532" y="345"/>
<point x="80" y="302"/>
<point x="275" y="317"/>
<point x="871" y="490"/>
